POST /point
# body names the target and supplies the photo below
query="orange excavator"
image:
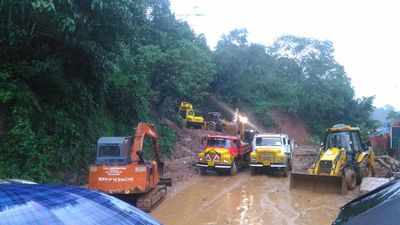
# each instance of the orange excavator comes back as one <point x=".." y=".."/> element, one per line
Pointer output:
<point x="122" y="171"/>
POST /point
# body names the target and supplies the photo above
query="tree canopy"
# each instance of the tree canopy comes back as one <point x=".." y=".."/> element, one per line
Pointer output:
<point x="297" y="75"/>
<point x="72" y="71"/>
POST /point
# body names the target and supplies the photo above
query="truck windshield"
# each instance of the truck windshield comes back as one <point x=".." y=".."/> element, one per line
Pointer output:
<point x="338" y="140"/>
<point x="224" y="143"/>
<point x="268" y="141"/>
<point x="109" y="151"/>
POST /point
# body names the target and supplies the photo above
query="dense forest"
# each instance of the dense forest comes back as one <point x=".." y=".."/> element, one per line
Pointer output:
<point x="74" y="70"/>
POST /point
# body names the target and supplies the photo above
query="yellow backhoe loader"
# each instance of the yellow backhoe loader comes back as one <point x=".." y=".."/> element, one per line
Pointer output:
<point x="342" y="162"/>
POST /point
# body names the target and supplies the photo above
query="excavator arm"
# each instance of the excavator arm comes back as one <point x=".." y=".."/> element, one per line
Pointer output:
<point x="144" y="130"/>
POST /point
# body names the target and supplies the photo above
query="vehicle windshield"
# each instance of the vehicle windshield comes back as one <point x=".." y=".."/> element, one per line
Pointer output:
<point x="338" y="140"/>
<point x="268" y="141"/>
<point x="109" y="151"/>
<point x="224" y="143"/>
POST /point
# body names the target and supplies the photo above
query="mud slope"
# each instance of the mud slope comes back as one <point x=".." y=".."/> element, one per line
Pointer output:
<point x="291" y="125"/>
<point x="180" y="166"/>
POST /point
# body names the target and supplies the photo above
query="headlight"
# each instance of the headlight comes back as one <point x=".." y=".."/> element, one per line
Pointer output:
<point x="226" y="157"/>
<point x="281" y="157"/>
<point x="201" y="156"/>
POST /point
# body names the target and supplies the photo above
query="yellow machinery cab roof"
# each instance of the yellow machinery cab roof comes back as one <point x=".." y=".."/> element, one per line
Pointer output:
<point x="186" y="105"/>
<point x="342" y="127"/>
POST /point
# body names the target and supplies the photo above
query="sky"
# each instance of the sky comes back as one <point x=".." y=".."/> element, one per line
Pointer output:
<point x="365" y="33"/>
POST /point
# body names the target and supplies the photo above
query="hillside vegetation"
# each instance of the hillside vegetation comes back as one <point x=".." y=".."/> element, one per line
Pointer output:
<point x="72" y="71"/>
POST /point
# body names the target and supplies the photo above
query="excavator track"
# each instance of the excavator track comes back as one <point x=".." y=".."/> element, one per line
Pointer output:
<point x="151" y="199"/>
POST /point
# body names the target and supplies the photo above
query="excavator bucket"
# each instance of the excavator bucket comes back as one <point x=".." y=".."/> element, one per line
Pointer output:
<point x="318" y="183"/>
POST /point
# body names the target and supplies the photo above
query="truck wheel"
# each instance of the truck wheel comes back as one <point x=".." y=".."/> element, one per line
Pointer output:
<point x="233" y="169"/>
<point x="285" y="172"/>
<point x="253" y="170"/>
<point x="350" y="178"/>
<point x="203" y="171"/>
<point x="289" y="165"/>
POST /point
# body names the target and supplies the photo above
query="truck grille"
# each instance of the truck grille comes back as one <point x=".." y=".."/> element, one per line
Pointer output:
<point x="266" y="156"/>
<point x="213" y="157"/>
<point x="325" y="166"/>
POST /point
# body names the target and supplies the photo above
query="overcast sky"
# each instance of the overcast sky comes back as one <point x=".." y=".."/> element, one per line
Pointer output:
<point x="365" y="34"/>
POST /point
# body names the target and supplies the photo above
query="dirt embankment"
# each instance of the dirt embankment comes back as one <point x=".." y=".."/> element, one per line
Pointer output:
<point x="188" y="144"/>
<point x="291" y="125"/>
<point x="303" y="157"/>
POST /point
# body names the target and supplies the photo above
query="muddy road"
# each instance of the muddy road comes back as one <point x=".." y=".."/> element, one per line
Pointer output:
<point x="245" y="199"/>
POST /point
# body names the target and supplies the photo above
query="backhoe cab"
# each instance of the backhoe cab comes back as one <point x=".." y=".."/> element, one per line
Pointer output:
<point x="342" y="162"/>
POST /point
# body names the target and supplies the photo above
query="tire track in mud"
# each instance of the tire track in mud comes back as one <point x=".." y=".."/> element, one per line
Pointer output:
<point x="228" y="188"/>
<point x="245" y="199"/>
<point x="286" y="213"/>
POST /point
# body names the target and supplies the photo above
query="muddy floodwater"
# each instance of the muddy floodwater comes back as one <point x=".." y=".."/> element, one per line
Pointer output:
<point x="245" y="199"/>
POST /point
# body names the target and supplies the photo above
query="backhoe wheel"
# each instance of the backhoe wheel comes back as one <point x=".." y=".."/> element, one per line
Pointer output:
<point x="350" y="178"/>
<point x="364" y="171"/>
<point x="233" y="169"/>
<point x="285" y="172"/>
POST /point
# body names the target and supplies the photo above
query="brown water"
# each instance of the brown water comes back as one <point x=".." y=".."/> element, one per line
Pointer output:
<point x="245" y="199"/>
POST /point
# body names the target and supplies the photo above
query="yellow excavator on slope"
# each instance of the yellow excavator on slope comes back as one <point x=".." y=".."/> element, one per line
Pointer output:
<point x="192" y="119"/>
<point x="342" y="162"/>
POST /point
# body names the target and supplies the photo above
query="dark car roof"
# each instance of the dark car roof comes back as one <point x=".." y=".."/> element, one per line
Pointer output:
<point x="378" y="207"/>
<point x="58" y="204"/>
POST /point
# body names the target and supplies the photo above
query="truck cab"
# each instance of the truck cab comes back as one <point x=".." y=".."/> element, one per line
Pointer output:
<point x="223" y="154"/>
<point x="271" y="151"/>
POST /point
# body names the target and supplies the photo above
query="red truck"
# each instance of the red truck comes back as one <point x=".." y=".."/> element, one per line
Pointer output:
<point x="224" y="154"/>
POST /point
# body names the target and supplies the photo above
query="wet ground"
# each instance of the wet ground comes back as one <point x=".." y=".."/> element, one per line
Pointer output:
<point x="245" y="199"/>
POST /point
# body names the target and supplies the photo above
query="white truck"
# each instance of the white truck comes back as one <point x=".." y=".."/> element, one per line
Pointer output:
<point x="272" y="151"/>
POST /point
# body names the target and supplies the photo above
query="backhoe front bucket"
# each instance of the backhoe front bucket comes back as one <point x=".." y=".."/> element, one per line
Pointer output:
<point x="318" y="183"/>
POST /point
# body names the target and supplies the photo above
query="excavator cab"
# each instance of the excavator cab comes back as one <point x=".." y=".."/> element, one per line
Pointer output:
<point x="113" y="150"/>
<point x="121" y="170"/>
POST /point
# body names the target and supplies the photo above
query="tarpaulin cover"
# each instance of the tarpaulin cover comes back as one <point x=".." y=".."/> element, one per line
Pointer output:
<point x="58" y="204"/>
<point x="378" y="207"/>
